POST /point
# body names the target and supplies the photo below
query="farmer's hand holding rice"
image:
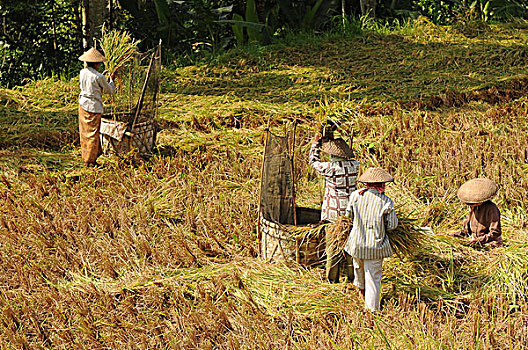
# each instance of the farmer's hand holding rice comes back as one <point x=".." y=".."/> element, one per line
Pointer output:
<point x="111" y="76"/>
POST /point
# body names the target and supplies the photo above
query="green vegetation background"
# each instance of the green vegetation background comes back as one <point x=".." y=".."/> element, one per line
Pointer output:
<point x="41" y="38"/>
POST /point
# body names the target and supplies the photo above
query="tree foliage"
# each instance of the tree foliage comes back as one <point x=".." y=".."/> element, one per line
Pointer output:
<point x="38" y="38"/>
<point x="449" y="11"/>
<point x="43" y="37"/>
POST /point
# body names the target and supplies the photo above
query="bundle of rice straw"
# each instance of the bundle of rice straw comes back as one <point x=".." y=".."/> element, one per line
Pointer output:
<point x="337" y="233"/>
<point x="508" y="271"/>
<point x="406" y="240"/>
<point x="119" y="49"/>
<point x="306" y="232"/>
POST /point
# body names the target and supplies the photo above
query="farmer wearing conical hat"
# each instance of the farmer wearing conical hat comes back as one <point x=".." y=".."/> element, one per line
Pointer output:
<point x="93" y="85"/>
<point x="373" y="215"/>
<point x="340" y="174"/>
<point x="483" y="222"/>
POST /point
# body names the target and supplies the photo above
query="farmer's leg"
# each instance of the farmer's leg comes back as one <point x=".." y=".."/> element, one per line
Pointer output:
<point x="372" y="270"/>
<point x="359" y="273"/>
<point x="89" y="124"/>
<point x="348" y="267"/>
<point x="333" y="259"/>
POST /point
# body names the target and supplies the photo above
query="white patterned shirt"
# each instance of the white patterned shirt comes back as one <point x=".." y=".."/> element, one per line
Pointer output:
<point x="340" y="179"/>
<point x="93" y="85"/>
<point x="373" y="214"/>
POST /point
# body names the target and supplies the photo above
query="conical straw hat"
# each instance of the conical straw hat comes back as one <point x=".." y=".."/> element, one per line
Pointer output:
<point x="477" y="190"/>
<point x="375" y="175"/>
<point x="92" y="55"/>
<point x="337" y="147"/>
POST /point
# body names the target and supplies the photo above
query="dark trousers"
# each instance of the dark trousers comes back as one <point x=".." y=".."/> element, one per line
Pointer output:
<point x="336" y="261"/>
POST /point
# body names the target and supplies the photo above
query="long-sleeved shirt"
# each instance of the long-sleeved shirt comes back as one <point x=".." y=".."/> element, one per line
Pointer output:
<point x="340" y="179"/>
<point x="483" y="223"/>
<point x="373" y="214"/>
<point x="93" y="85"/>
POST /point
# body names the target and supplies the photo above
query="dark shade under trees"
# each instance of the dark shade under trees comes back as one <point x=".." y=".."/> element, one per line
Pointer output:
<point x="39" y="38"/>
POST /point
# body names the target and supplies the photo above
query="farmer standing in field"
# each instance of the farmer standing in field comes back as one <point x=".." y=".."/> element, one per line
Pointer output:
<point x="373" y="214"/>
<point x="483" y="222"/>
<point x="340" y="174"/>
<point x="93" y="85"/>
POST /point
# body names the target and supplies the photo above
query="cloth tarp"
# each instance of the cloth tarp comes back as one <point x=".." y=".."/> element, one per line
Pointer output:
<point x="114" y="129"/>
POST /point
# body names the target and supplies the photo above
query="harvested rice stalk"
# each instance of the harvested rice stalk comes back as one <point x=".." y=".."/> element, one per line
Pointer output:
<point x="119" y="49"/>
<point x="307" y="232"/>
<point x="337" y="233"/>
<point x="509" y="272"/>
<point x="406" y="239"/>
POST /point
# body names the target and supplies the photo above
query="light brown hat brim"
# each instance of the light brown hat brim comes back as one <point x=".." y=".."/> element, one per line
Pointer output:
<point x="375" y="175"/>
<point x="92" y="55"/>
<point x="477" y="190"/>
<point x="338" y="148"/>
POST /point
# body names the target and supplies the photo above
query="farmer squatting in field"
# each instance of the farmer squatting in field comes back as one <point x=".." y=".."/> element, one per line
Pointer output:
<point x="483" y="222"/>
<point x="93" y="85"/>
<point x="340" y="176"/>
<point x="373" y="214"/>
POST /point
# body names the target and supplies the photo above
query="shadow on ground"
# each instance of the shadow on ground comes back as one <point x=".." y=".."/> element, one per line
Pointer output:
<point x="359" y="68"/>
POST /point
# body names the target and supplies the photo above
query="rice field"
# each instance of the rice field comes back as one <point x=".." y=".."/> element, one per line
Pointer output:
<point x="163" y="254"/>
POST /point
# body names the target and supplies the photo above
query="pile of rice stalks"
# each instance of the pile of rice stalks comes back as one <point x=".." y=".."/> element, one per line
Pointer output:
<point x="119" y="49"/>
<point x="508" y="269"/>
<point x="305" y="244"/>
<point x="406" y="240"/>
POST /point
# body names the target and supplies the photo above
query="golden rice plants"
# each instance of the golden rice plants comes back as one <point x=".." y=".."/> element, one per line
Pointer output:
<point x="509" y="273"/>
<point x="119" y="49"/>
<point x="407" y="238"/>
<point x="123" y="256"/>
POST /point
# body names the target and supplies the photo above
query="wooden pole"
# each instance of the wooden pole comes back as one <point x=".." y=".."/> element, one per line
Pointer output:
<point x="110" y="13"/>
<point x="343" y="12"/>
<point x="352" y="140"/>
<point x="292" y="157"/>
<point x="87" y="40"/>
<point x="78" y="22"/>
<point x="259" y="230"/>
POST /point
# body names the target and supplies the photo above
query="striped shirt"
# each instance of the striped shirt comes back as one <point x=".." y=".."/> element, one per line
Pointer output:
<point x="372" y="214"/>
<point x="340" y="179"/>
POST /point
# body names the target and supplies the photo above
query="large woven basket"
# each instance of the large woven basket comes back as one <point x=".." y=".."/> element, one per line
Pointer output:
<point x="303" y="244"/>
<point x="119" y="139"/>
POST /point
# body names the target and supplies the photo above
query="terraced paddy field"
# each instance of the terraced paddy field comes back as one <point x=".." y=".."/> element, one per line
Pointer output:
<point x="163" y="254"/>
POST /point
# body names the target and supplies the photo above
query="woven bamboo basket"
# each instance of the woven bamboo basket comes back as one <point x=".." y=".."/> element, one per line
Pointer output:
<point x="119" y="138"/>
<point x="303" y="244"/>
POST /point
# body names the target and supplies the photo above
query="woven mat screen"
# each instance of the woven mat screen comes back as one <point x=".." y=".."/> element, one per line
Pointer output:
<point x="277" y="188"/>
